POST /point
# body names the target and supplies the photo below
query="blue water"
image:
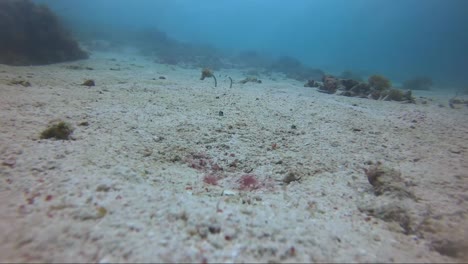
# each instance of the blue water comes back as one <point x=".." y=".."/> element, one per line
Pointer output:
<point x="400" y="39"/>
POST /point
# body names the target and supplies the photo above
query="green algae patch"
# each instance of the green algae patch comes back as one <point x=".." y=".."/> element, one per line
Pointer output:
<point x="60" y="130"/>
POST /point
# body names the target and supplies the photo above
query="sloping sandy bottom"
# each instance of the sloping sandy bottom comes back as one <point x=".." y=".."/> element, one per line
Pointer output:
<point x="129" y="187"/>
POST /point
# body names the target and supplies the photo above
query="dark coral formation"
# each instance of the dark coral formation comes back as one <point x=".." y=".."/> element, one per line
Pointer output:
<point x="349" y="83"/>
<point x="32" y="35"/>
<point x="330" y="84"/>
<point x="359" y="90"/>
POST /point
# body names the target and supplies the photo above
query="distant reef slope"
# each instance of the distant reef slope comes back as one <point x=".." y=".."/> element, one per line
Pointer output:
<point x="31" y="34"/>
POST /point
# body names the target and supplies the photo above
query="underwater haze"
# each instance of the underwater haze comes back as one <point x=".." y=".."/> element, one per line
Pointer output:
<point x="397" y="38"/>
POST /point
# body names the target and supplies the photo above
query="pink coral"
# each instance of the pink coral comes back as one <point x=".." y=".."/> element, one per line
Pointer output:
<point x="248" y="182"/>
<point x="211" y="179"/>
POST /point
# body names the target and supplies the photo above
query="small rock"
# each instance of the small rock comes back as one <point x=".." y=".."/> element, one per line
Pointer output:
<point x="158" y="138"/>
<point x="103" y="188"/>
<point x="147" y="152"/>
<point x="88" y="83"/>
<point x="229" y="193"/>
<point x="290" y="177"/>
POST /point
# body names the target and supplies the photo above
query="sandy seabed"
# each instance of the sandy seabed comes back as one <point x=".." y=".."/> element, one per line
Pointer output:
<point x="155" y="173"/>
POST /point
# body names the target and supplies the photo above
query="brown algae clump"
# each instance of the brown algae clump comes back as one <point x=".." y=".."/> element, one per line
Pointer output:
<point x="379" y="82"/>
<point x="60" y="130"/>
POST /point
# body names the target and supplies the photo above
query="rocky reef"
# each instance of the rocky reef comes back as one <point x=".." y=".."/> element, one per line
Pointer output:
<point x="377" y="87"/>
<point x="33" y="35"/>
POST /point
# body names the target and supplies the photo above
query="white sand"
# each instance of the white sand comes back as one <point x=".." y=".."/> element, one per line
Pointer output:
<point x="134" y="157"/>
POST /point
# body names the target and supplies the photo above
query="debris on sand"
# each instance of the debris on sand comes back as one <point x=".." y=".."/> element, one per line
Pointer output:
<point x="20" y="82"/>
<point x="250" y="79"/>
<point x="387" y="180"/>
